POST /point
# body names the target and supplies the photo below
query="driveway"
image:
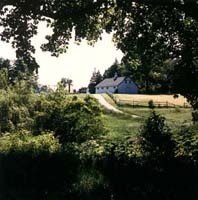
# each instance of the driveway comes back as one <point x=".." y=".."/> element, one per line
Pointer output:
<point x="104" y="103"/>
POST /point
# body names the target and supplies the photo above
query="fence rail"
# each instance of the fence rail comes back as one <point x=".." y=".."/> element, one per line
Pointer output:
<point x="155" y="103"/>
<point x="135" y="103"/>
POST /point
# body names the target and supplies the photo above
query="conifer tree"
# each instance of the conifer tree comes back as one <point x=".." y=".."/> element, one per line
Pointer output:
<point x="95" y="79"/>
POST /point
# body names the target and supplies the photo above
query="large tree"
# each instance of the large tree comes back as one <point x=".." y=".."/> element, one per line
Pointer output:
<point x="67" y="83"/>
<point x="153" y="30"/>
<point x="95" y="79"/>
<point x="115" y="68"/>
<point x="13" y="71"/>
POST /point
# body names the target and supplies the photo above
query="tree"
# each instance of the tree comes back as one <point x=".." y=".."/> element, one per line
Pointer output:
<point x="155" y="138"/>
<point x="72" y="120"/>
<point x="88" y="18"/>
<point x="69" y="82"/>
<point x="114" y="68"/>
<point x="151" y="30"/>
<point x="95" y="79"/>
<point x="154" y="79"/>
<point x="16" y="107"/>
<point x="66" y="82"/>
<point x="155" y="33"/>
<point x="6" y="74"/>
<point x="82" y="90"/>
<point x="3" y="79"/>
<point x="12" y="71"/>
<point x="184" y="79"/>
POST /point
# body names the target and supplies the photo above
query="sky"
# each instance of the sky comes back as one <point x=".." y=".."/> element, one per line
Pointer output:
<point x="77" y="64"/>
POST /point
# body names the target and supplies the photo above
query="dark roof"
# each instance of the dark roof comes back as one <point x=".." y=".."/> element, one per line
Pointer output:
<point x="109" y="82"/>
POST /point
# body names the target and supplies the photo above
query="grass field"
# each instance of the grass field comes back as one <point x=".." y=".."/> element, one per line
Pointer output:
<point x="120" y="125"/>
<point x="140" y="99"/>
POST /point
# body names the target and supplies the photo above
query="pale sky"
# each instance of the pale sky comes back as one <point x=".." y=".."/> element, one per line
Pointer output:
<point x="77" y="64"/>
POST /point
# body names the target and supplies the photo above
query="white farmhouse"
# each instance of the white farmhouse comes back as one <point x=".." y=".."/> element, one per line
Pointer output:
<point x="121" y="85"/>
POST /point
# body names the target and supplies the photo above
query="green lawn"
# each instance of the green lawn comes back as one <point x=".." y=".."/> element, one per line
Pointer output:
<point x="176" y="115"/>
<point x="120" y="125"/>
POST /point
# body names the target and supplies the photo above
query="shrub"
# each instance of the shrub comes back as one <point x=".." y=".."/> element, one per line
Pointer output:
<point x="155" y="138"/>
<point x="72" y="120"/>
<point x="24" y="141"/>
<point x="195" y="117"/>
<point x="16" y="108"/>
<point x="151" y="104"/>
<point x="36" y="167"/>
<point x="187" y="143"/>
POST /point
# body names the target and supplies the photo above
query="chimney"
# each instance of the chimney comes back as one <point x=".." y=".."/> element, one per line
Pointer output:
<point x="115" y="76"/>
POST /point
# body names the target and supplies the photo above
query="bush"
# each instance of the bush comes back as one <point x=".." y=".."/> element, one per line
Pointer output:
<point x="151" y="104"/>
<point x="187" y="143"/>
<point x="195" y="117"/>
<point x="36" y="167"/>
<point x="155" y="138"/>
<point x="16" y="108"/>
<point x="72" y="120"/>
<point x="24" y="141"/>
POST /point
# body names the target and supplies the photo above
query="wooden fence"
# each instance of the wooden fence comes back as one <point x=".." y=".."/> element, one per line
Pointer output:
<point x="136" y="103"/>
<point x="155" y="103"/>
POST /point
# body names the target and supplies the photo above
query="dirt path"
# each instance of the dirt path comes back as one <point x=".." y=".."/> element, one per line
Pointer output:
<point x="104" y="103"/>
<point x="107" y="105"/>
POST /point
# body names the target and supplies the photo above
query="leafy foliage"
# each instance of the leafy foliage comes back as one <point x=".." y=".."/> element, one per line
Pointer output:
<point x="187" y="143"/>
<point x="156" y="80"/>
<point x="95" y="79"/>
<point x="62" y="152"/>
<point x="13" y="71"/>
<point x="151" y="104"/>
<point x="24" y="141"/>
<point x="155" y="138"/>
<point x="72" y="119"/>
<point x="149" y="31"/>
<point x="66" y="82"/>
<point x="35" y="167"/>
<point x="131" y="172"/>
<point x="115" y="68"/>
<point x="184" y="78"/>
<point x="16" y="106"/>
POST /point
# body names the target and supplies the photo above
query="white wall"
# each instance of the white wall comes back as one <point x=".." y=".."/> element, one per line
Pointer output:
<point x="105" y="89"/>
<point x="126" y="87"/>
